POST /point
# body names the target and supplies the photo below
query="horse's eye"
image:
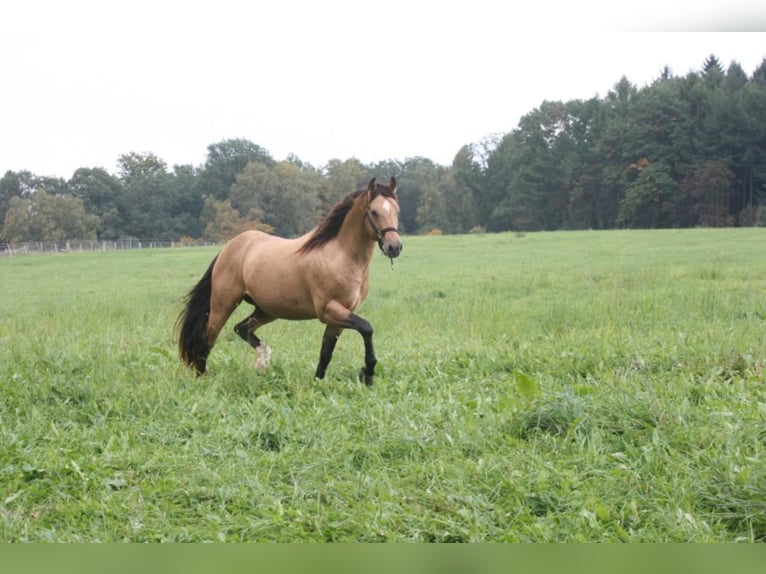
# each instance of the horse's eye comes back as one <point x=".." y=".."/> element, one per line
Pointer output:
<point x="375" y="214"/>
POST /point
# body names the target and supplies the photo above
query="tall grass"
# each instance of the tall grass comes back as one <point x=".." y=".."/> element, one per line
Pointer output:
<point x="579" y="386"/>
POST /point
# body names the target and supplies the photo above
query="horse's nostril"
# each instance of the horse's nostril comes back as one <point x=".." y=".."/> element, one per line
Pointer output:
<point x="394" y="249"/>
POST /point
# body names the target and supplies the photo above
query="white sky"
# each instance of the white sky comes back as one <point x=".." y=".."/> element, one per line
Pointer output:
<point x="82" y="82"/>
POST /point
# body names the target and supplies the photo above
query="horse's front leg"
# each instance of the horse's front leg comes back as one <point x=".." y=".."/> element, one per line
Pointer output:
<point x="367" y="372"/>
<point x="338" y="315"/>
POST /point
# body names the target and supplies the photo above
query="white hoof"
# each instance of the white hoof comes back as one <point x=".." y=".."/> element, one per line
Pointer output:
<point x="263" y="353"/>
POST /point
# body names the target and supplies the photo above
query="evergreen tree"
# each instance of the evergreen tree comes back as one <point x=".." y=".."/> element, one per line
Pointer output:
<point x="712" y="71"/>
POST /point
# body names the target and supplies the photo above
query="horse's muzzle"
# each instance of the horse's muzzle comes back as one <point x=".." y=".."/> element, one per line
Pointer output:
<point x="392" y="247"/>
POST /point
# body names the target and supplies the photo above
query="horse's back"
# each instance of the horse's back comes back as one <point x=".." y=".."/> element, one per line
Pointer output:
<point x="252" y="244"/>
<point x="250" y="238"/>
<point x="236" y="256"/>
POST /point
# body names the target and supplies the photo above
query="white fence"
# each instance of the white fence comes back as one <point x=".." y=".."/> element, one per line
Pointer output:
<point x="72" y="246"/>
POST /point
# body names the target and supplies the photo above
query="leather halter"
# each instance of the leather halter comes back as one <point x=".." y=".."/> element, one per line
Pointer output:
<point x="379" y="233"/>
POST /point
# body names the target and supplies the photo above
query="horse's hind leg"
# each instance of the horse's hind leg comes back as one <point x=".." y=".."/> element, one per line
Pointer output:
<point x="221" y="309"/>
<point x="246" y="330"/>
<point x="329" y="339"/>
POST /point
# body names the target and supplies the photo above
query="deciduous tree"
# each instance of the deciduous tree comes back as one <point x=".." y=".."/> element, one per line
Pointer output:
<point x="45" y="217"/>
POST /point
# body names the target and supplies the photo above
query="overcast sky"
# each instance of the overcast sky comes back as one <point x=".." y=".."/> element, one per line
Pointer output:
<point x="83" y="82"/>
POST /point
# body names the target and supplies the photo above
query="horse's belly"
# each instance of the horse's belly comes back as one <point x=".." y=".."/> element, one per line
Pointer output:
<point x="286" y="308"/>
<point x="283" y="303"/>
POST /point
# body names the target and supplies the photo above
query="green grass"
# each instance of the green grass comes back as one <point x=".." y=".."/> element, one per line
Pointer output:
<point x="580" y="386"/>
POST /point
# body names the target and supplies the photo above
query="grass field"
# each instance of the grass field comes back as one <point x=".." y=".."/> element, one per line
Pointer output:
<point x="574" y="386"/>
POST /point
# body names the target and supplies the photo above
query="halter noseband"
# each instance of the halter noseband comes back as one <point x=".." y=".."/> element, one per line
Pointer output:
<point x="379" y="233"/>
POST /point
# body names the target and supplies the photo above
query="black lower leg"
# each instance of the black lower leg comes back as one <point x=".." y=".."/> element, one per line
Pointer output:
<point x="246" y="330"/>
<point x="329" y="340"/>
<point x="367" y="372"/>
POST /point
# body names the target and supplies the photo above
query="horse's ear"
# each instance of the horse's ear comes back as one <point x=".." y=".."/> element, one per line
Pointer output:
<point x="371" y="187"/>
<point x="392" y="185"/>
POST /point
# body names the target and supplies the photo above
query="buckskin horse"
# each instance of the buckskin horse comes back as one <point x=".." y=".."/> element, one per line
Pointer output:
<point x="323" y="275"/>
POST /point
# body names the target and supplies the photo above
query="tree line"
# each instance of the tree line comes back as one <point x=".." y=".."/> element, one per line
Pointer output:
<point x="683" y="151"/>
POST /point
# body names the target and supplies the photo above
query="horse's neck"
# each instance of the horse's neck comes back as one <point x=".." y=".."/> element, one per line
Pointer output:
<point x="352" y="238"/>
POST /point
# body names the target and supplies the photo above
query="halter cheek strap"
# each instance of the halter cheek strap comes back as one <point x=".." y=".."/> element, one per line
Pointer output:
<point x="379" y="233"/>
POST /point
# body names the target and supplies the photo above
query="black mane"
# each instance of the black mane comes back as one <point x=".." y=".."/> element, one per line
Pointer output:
<point x="330" y="225"/>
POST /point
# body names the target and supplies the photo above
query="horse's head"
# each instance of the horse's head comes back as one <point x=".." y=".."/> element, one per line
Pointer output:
<point x="382" y="217"/>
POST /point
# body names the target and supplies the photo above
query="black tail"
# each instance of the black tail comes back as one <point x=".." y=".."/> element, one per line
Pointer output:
<point x="192" y="341"/>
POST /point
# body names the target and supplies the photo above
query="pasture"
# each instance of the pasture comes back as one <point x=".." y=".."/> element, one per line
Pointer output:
<point x="569" y="386"/>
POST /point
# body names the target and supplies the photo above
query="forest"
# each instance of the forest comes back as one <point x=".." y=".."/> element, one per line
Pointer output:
<point x="683" y="151"/>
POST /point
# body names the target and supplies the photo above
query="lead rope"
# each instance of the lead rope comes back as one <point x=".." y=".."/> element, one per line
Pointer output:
<point x="380" y="244"/>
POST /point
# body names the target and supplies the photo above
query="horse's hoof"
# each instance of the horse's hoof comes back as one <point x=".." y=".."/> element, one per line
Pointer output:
<point x="363" y="378"/>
